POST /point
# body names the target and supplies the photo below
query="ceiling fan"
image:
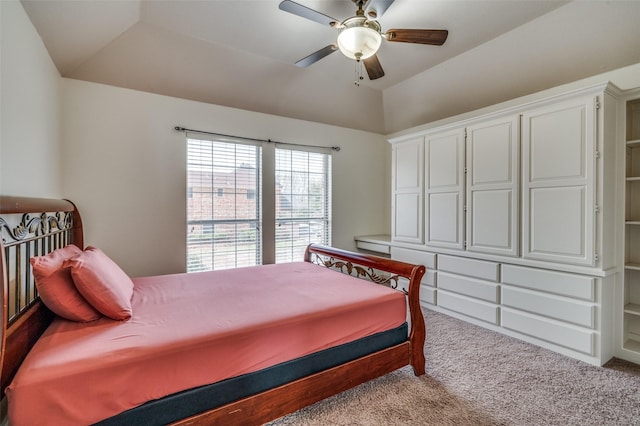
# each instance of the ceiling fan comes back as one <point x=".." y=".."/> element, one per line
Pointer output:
<point x="360" y="36"/>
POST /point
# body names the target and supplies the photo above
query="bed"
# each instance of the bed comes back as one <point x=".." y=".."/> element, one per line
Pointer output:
<point x="257" y="366"/>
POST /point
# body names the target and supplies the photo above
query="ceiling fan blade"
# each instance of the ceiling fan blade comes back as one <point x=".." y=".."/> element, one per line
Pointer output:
<point x="373" y="67"/>
<point x="305" y="12"/>
<point x="316" y="56"/>
<point x="434" y="37"/>
<point x="376" y="8"/>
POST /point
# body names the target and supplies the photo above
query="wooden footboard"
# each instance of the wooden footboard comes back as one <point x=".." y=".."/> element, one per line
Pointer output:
<point x="290" y="397"/>
<point x="382" y="271"/>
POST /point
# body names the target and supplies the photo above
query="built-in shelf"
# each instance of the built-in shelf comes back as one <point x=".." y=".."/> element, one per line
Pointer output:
<point x="632" y="345"/>
<point x="630" y="320"/>
<point x="632" y="308"/>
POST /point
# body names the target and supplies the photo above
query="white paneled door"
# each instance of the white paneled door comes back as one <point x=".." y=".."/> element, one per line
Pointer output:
<point x="558" y="144"/>
<point x="444" y="189"/>
<point x="492" y="186"/>
<point x="407" y="183"/>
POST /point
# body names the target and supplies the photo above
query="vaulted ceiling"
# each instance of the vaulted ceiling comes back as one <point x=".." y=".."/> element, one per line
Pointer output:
<point x="241" y="53"/>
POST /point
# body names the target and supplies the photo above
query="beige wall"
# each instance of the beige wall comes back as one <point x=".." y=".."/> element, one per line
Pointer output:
<point x="124" y="165"/>
<point x="114" y="152"/>
<point x="29" y="114"/>
<point x="583" y="39"/>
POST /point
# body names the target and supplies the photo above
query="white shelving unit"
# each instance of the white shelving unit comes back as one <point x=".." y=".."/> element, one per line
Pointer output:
<point x="631" y="311"/>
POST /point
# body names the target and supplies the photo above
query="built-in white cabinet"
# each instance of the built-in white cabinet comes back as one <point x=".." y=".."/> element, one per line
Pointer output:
<point x="522" y="184"/>
<point x="521" y="217"/>
<point x="471" y="177"/>
<point x="558" y="185"/>
<point x="407" y="183"/>
<point x="444" y="189"/>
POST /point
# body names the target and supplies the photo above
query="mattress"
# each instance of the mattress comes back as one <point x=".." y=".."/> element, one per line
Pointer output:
<point x="190" y="330"/>
<point x="194" y="401"/>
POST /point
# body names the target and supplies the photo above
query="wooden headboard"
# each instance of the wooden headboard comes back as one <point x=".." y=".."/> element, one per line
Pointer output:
<point x="29" y="227"/>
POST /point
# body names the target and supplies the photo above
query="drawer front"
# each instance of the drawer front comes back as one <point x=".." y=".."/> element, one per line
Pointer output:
<point x="469" y="287"/>
<point x="430" y="278"/>
<point x="427" y="295"/>
<point x="576" y="286"/>
<point x="560" y="308"/>
<point x="571" y="337"/>
<point x="484" y="311"/>
<point x="378" y="248"/>
<point x="471" y="267"/>
<point x="414" y="256"/>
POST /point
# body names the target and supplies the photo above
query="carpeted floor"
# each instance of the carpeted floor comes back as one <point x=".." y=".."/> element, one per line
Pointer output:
<point x="479" y="377"/>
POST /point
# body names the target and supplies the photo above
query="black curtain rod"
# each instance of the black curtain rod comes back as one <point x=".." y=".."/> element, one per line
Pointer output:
<point x="182" y="129"/>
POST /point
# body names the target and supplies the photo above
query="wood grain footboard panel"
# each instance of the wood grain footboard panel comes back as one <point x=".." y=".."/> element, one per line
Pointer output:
<point x="290" y="397"/>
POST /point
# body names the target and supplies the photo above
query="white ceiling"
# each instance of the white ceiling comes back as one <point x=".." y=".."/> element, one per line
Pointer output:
<point x="240" y="53"/>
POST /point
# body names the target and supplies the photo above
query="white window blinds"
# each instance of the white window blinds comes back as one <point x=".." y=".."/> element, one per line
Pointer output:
<point x="303" y="202"/>
<point x="224" y="200"/>
<point x="234" y="185"/>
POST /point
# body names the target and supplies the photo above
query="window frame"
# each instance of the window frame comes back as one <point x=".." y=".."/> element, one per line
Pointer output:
<point x="209" y="258"/>
<point x="265" y="194"/>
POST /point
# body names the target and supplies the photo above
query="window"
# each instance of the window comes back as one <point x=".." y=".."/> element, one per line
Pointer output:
<point x="303" y="207"/>
<point x="225" y="198"/>
<point x="223" y="231"/>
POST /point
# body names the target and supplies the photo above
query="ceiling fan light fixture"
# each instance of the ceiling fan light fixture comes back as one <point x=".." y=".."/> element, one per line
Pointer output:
<point x="359" y="38"/>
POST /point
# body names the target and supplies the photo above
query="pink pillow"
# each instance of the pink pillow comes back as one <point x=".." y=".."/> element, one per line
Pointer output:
<point x="101" y="281"/>
<point x="56" y="288"/>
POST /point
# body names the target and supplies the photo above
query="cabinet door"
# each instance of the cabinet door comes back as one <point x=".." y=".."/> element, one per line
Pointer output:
<point x="492" y="186"/>
<point x="407" y="184"/>
<point x="558" y="153"/>
<point x="444" y="189"/>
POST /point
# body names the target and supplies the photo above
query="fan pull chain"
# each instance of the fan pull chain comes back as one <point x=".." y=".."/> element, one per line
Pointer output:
<point x="358" y="74"/>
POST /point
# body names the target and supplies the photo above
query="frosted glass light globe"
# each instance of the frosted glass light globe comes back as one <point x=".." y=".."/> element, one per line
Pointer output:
<point x="358" y="41"/>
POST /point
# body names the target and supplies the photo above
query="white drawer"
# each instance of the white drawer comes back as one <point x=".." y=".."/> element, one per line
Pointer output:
<point x="571" y="337"/>
<point x="470" y="307"/>
<point x="577" y="286"/>
<point x="479" y="289"/>
<point x="427" y="295"/>
<point x="414" y="256"/>
<point x="561" y="308"/>
<point x="471" y="267"/>
<point x="429" y="278"/>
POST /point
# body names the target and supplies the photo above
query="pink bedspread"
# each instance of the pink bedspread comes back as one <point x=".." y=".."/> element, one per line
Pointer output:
<point x="188" y="330"/>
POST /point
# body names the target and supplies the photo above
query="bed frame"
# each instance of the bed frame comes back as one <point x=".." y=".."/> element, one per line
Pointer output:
<point x="34" y="226"/>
